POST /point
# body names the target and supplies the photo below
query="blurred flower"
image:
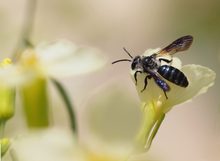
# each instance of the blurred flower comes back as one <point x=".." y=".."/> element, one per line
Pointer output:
<point x="7" y="96"/>
<point x="48" y="60"/>
<point x="5" y="144"/>
<point x="61" y="58"/>
<point x="154" y="103"/>
<point x="53" y="60"/>
<point x="45" y="145"/>
<point x="58" y="144"/>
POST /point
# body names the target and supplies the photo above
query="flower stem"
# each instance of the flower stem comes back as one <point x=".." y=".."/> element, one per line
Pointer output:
<point x="0" y="152"/>
<point x="35" y="102"/>
<point x="2" y="128"/>
<point x="69" y="106"/>
<point x="24" y="40"/>
<point x="152" y="120"/>
<point x="154" y="131"/>
<point x="13" y="155"/>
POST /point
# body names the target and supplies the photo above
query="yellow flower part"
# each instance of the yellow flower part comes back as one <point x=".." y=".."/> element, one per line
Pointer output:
<point x="34" y="92"/>
<point x="5" y="144"/>
<point x="7" y="102"/>
<point x="5" y="62"/>
<point x="154" y="102"/>
<point x="35" y="102"/>
<point x="95" y="157"/>
<point x="7" y="95"/>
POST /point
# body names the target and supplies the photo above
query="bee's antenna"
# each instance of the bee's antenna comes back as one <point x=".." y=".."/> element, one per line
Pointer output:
<point x="121" y="60"/>
<point x="124" y="59"/>
<point x="127" y="53"/>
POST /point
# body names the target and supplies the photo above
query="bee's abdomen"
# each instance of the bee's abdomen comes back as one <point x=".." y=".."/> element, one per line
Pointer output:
<point x="173" y="75"/>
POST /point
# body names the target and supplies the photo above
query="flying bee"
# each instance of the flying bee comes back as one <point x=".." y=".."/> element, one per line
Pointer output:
<point x="152" y="65"/>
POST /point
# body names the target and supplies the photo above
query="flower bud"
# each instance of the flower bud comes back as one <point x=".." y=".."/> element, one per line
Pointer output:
<point x="7" y="96"/>
<point x="5" y="144"/>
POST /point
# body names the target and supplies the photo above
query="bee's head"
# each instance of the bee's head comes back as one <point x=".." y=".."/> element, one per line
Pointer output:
<point x="136" y="63"/>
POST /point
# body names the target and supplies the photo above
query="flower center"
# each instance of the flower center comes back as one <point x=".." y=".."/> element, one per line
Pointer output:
<point x="5" y="62"/>
<point x="29" y="58"/>
<point x="30" y="62"/>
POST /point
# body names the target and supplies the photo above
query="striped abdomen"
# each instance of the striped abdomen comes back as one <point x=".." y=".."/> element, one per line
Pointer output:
<point x="173" y="75"/>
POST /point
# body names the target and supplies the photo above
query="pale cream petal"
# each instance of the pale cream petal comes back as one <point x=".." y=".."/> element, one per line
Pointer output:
<point x="46" y="145"/>
<point x="152" y="91"/>
<point x="55" y="51"/>
<point x="63" y="58"/>
<point x="200" y="79"/>
<point x="14" y="75"/>
<point x="83" y="61"/>
<point x="108" y="151"/>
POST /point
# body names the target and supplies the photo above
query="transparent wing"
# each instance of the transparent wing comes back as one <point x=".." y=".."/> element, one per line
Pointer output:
<point x="178" y="45"/>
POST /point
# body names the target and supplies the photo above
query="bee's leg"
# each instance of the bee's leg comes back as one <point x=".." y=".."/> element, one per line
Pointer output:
<point x="162" y="84"/>
<point x="165" y="60"/>
<point x="135" y="76"/>
<point x="145" y="82"/>
<point x="165" y="94"/>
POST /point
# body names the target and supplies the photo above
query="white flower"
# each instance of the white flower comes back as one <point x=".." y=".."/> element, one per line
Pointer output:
<point x="52" y="59"/>
<point x="34" y="66"/>
<point x="57" y="144"/>
<point x="63" y="58"/>
<point x="45" y="145"/>
<point x="154" y="103"/>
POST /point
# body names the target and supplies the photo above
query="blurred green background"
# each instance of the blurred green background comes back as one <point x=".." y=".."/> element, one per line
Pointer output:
<point x="190" y="131"/>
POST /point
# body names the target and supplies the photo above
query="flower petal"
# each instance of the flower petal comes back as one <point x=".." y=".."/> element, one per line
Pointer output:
<point x="200" y="79"/>
<point x="13" y="76"/>
<point x="63" y="58"/>
<point x="152" y="91"/>
<point x="46" y="145"/>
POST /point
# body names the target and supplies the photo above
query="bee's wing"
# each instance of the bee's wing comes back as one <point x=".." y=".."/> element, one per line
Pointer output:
<point x="178" y="45"/>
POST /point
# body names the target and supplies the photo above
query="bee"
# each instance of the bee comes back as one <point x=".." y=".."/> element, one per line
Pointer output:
<point x="152" y="65"/>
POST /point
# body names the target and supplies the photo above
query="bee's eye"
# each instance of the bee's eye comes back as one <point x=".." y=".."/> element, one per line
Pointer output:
<point x="133" y="65"/>
<point x="135" y="62"/>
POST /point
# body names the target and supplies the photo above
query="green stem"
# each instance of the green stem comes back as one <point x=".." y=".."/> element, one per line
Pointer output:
<point x="154" y="131"/>
<point x="2" y="129"/>
<point x="68" y="105"/>
<point x="149" y="119"/>
<point x="35" y="102"/>
<point x="152" y="120"/>
<point x="13" y="155"/>
<point x="1" y="152"/>
<point x="24" y="40"/>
